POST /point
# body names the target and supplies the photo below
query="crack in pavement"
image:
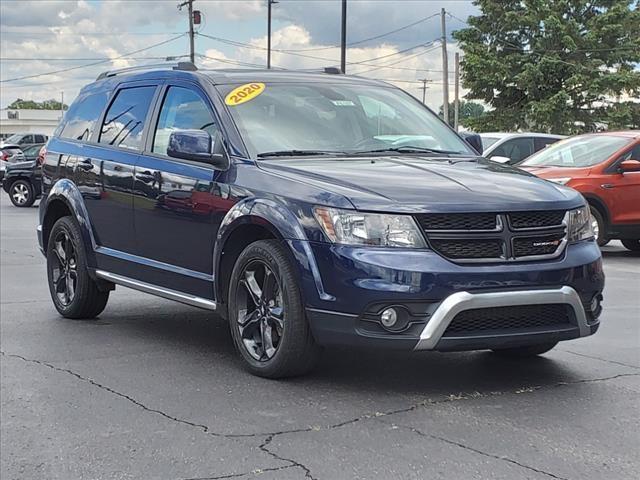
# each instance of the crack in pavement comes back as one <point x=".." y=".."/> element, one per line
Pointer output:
<point x="613" y="362"/>
<point x="256" y="472"/>
<point x="475" y="450"/>
<point x="263" y="446"/>
<point x="271" y="435"/>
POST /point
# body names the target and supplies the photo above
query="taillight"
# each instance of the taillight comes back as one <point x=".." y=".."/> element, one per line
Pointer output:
<point x="41" y="155"/>
<point x="3" y="155"/>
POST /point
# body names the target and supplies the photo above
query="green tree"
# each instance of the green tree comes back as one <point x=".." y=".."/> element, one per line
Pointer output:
<point x="554" y="66"/>
<point x="31" y="104"/>
<point x="468" y="115"/>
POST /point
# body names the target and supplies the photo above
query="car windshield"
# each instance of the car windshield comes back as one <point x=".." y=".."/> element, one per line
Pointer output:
<point x="298" y="119"/>
<point x="577" y="152"/>
<point x="15" y="138"/>
<point x="488" y="141"/>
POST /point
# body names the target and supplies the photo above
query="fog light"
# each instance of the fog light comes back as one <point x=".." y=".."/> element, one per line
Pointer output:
<point x="389" y="318"/>
<point x="596" y="305"/>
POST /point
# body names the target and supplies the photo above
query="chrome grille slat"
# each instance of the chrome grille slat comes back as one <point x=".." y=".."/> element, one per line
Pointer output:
<point x="496" y="237"/>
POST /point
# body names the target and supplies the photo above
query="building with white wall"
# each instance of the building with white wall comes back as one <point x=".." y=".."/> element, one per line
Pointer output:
<point x="28" y="121"/>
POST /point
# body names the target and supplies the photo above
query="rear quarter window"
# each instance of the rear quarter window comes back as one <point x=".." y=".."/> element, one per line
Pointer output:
<point x="80" y="120"/>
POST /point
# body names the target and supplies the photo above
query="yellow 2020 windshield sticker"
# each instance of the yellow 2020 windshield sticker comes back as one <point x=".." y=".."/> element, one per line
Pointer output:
<point x="244" y="93"/>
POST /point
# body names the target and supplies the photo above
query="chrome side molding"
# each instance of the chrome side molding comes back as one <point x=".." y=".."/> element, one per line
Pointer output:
<point x="157" y="291"/>
<point x="460" y="301"/>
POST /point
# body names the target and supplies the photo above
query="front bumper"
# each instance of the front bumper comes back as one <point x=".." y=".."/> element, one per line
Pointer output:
<point x="356" y="284"/>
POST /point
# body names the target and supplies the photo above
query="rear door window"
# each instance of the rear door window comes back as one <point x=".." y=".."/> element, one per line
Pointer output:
<point x="81" y="118"/>
<point x="27" y="139"/>
<point x="182" y="109"/>
<point x="124" y="122"/>
<point x="544" y="142"/>
<point x="516" y="149"/>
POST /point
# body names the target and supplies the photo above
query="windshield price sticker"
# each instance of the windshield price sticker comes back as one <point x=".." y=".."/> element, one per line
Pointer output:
<point x="244" y="93"/>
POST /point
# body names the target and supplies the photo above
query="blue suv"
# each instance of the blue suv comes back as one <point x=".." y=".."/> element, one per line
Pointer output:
<point x="309" y="209"/>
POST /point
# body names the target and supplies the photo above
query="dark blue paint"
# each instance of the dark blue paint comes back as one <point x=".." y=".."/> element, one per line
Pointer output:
<point x="168" y="221"/>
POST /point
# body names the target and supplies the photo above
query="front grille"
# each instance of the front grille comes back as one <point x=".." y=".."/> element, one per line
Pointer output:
<point x="512" y="319"/>
<point x="468" y="248"/>
<point x="536" y="219"/>
<point x="457" y="221"/>
<point x="495" y="237"/>
<point x="530" y="246"/>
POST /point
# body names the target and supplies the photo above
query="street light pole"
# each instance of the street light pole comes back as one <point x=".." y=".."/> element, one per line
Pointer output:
<point x="343" y="39"/>
<point x="445" y="68"/>
<point x="189" y="4"/>
<point x="269" y="3"/>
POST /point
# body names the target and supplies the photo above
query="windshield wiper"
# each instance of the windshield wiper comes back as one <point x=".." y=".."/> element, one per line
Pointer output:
<point x="297" y="153"/>
<point x="410" y="149"/>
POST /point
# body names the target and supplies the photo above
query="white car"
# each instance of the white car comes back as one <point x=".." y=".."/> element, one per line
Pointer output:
<point x="513" y="148"/>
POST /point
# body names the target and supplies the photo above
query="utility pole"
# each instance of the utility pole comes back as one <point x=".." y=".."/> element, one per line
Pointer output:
<point x="269" y="3"/>
<point x="445" y="68"/>
<point x="456" y="95"/>
<point x="424" y="89"/>
<point x="189" y="4"/>
<point x="343" y="39"/>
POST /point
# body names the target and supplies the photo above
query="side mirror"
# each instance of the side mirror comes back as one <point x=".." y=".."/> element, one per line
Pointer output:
<point x="630" y="165"/>
<point x="474" y="140"/>
<point x="500" y="159"/>
<point x="198" y="146"/>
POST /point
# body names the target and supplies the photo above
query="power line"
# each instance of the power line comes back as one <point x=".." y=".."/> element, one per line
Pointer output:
<point x="113" y="34"/>
<point x="45" y="59"/>
<point x="94" y="63"/>
<point x="364" y="40"/>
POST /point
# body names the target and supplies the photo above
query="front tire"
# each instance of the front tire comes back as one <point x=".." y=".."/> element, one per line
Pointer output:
<point x="599" y="227"/>
<point x="525" y="352"/>
<point x="21" y="194"/>
<point x="633" y="245"/>
<point x="266" y="313"/>
<point x="74" y="293"/>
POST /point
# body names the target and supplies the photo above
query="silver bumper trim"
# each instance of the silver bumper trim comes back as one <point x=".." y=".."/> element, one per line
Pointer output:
<point x="460" y="301"/>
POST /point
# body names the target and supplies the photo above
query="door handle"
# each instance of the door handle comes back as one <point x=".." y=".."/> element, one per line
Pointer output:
<point x="85" y="165"/>
<point x="607" y="185"/>
<point x="146" y="177"/>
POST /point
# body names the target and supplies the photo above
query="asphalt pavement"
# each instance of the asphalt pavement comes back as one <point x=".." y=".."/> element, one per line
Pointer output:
<point x="154" y="390"/>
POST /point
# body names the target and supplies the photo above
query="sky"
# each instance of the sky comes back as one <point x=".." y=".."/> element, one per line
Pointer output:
<point x="44" y="36"/>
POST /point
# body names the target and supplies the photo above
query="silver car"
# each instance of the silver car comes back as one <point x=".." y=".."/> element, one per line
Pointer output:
<point x="513" y="148"/>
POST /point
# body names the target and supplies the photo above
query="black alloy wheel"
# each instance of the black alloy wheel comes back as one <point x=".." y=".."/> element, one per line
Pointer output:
<point x="74" y="292"/>
<point x="266" y="313"/>
<point x="64" y="268"/>
<point x="260" y="311"/>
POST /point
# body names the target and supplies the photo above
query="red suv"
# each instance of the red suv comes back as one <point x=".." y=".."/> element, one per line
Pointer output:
<point x="605" y="168"/>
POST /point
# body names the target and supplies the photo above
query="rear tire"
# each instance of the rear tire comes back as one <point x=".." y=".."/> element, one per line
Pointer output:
<point x="74" y="293"/>
<point x="599" y="226"/>
<point x="525" y="352"/>
<point x="21" y="194"/>
<point x="633" y="245"/>
<point x="266" y="313"/>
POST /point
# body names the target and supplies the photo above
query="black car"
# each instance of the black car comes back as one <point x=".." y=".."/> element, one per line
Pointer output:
<point x="22" y="178"/>
<point x="309" y="209"/>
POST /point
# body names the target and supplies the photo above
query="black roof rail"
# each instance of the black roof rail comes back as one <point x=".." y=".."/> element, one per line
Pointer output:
<point x="185" y="66"/>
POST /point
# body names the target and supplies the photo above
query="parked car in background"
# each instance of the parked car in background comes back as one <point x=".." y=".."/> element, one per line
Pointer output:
<point x="605" y="168"/>
<point x="513" y="148"/>
<point x="9" y="154"/>
<point x="24" y="140"/>
<point x="22" y="180"/>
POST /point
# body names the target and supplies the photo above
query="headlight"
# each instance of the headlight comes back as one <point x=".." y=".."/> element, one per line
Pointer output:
<point x="580" y="224"/>
<point x="357" y="228"/>
<point x="560" y="181"/>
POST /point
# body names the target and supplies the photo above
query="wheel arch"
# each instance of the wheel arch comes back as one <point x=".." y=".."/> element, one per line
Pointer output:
<point x="249" y="221"/>
<point x="600" y="205"/>
<point x="64" y="199"/>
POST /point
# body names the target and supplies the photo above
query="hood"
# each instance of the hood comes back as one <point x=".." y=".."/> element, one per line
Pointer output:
<point x="423" y="184"/>
<point x="557" y="172"/>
